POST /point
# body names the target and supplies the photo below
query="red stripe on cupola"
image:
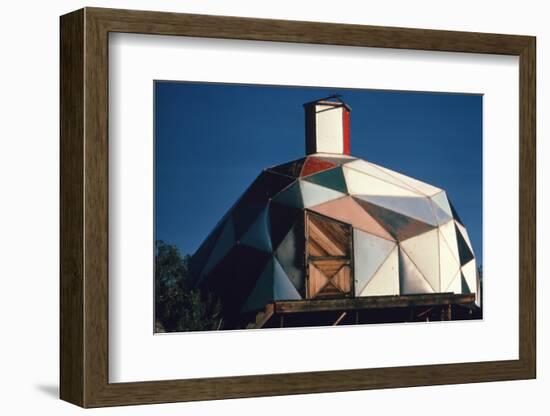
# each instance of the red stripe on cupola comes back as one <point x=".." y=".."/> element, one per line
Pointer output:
<point x="345" y="116"/>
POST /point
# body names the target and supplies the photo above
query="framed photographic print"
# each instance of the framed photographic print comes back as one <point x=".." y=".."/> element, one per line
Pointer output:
<point x="255" y="207"/>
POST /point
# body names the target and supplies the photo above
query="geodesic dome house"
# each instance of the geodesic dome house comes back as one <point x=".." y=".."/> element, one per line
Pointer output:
<point x="330" y="226"/>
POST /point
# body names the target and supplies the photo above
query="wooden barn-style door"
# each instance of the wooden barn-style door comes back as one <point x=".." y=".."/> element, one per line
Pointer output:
<point x="328" y="258"/>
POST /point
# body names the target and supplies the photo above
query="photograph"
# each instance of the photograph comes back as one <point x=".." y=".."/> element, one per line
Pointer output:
<point x="290" y="206"/>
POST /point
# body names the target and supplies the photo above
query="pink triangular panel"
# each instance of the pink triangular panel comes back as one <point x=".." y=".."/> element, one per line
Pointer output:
<point x="347" y="210"/>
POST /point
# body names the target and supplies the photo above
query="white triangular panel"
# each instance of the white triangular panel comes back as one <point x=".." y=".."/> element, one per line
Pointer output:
<point x="373" y="170"/>
<point x="369" y="252"/>
<point x="386" y="279"/>
<point x="420" y="186"/>
<point x="449" y="235"/>
<point x="411" y="280"/>
<point x="418" y="207"/>
<point x="448" y="264"/>
<point x="257" y="235"/>
<point x="442" y="209"/>
<point x="423" y="250"/>
<point x="313" y="194"/>
<point x="470" y="275"/>
<point x="455" y="286"/>
<point x="359" y="183"/>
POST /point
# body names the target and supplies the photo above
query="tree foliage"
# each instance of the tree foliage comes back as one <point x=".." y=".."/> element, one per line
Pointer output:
<point x="178" y="305"/>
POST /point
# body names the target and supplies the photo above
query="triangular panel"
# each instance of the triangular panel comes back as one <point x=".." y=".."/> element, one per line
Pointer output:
<point x="448" y="231"/>
<point x="418" y="208"/>
<point x="281" y="220"/>
<point x="420" y="186"/>
<point x="314" y="165"/>
<point x="341" y="279"/>
<point x="385" y="281"/>
<point x="337" y="160"/>
<point x="359" y="183"/>
<point x="369" y="253"/>
<point x="347" y="210"/>
<point x="411" y="280"/>
<point x="332" y="178"/>
<point x="455" y="214"/>
<point x="464" y="251"/>
<point x="262" y="293"/>
<point x="423" y="250"/>
<point x="258" y="235"/>
<point x="291" y="196"/>
<point x="291" y="169"/>
<point x="316" y="281"/>
<point x="313" y="194"/>
<point x="464" y="285"/>
<point x="448" y="264"/>
<point x="455" y="286"/>
<point x="373" y="170"/>
<point x="441" y="207"/>
<point x="255" y="199"/>
<point x="399" y="226"/>
<point x="464" y="233"/>
<point x="224" y="244"/>
<point x="283" y="289"/>
<point x="290" y="255"/>
<point x="470" y="275"/>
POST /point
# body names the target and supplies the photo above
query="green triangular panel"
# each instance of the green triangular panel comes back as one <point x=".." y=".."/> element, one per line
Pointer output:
<point x="332" y="178"/>
<point x="465" y="289"/>
<point x="257" y="235"/>
<point x="283" y="289"/>
<point x="291" y="196"/>
<point x="464" y="251"/>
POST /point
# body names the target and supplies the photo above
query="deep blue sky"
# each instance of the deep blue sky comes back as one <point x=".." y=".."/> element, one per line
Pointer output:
<point x="212" y="140"/>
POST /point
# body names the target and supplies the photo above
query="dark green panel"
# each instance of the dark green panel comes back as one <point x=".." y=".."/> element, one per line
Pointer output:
<point x="201" y="256"/>
<point x="455" y="214"/>
<point x="281" y="219"/>
<point x="332" y="178"/>
<point x="256" y="198"/>
<point x="291" y="196"/>
<point x="234" y="277"/>
<point x="464" y="251"/>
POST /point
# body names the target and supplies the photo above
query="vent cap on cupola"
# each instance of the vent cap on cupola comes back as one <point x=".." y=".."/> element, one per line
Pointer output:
<point x="327" y="126"/>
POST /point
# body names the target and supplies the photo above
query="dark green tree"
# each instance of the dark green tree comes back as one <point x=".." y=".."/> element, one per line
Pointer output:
<point x="178" y="305"/>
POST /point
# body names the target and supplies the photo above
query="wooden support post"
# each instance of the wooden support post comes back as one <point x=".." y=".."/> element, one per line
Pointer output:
<point x="342" y="316"/>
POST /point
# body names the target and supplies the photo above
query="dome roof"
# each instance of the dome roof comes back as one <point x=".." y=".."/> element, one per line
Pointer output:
<point x="404" y="236"/>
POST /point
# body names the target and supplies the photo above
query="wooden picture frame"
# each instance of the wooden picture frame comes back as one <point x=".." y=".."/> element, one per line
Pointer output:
<point x="84" y="207"/>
